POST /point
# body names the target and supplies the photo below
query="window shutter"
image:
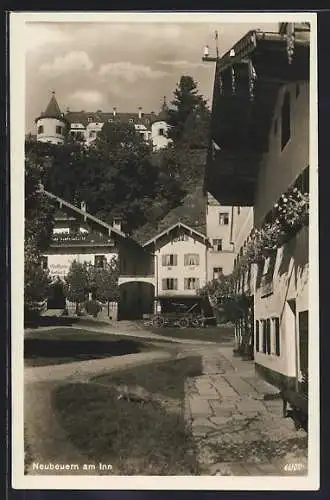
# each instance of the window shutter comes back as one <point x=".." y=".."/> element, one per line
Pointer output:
<point x="164" y="283"/>
<point x="175" y="284"/>
<point x="175" y="260"/>
<point x="186" y="259"/>
<point x="163" y="260"/>
<point x="186" y="283"/>
<point x="277" y="336"/>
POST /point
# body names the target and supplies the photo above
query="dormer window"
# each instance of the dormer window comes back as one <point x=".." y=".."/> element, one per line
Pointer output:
<point x="90" y="119"/>
<point x="131" y="120"/>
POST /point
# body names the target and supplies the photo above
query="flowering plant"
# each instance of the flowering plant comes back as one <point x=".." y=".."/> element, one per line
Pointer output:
<point x="292" y="210"/>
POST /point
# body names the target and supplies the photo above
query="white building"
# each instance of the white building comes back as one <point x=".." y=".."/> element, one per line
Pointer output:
<point x="52" y="125"/>
<point x="180" y="261"/>
<point x="56" y="127"/>
<point x="262" y="160"/>
<point x="219" y="230"/>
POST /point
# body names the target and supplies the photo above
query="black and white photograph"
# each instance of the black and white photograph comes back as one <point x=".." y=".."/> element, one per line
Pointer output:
<point x="164" y="249"/>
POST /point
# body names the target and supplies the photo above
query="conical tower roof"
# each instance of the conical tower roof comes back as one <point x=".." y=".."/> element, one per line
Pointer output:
<point x="52" y="110"/>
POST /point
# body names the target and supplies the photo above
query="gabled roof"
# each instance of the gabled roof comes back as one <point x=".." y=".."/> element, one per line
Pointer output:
<point x="178" y="225"/>
<point x="65" y="205"/>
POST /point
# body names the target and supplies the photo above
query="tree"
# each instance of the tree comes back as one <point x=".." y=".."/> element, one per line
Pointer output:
<point x="38" y="231"/>
<point x="77" y="283"/>
<point x="189" y="112"/>
<point x="104" y="281"/>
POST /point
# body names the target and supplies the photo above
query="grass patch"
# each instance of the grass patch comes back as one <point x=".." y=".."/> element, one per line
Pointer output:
<point x="219" y="334"/>
<point x="166" y="378"/>
<point x="137" y="438"/>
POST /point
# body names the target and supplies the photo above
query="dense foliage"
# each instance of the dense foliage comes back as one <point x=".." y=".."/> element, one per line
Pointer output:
<point x="38" y="230"/>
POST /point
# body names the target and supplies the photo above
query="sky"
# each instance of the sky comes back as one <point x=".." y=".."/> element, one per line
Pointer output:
<point x="98" y="66"/>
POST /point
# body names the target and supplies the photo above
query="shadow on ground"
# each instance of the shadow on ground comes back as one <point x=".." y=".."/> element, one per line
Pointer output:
<point x="40" y="351"/>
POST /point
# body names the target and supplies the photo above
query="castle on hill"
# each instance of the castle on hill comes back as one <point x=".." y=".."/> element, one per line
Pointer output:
<point x="56" y="127"/>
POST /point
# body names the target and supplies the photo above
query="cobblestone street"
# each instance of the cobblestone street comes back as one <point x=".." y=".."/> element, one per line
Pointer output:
<point x="237" y="423"/>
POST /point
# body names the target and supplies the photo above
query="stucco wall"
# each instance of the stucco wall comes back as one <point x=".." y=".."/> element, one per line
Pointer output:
<point x="290" y="282"/>
<point x="159" y="141"/>
<point x="49" y="133"/>
<point x="280" y="168"/>
<point x="59" y="263"/>
<point x="180" y="271"/>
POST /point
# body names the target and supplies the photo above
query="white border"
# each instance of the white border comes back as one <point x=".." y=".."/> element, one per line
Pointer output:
<point x="17" y="130"/>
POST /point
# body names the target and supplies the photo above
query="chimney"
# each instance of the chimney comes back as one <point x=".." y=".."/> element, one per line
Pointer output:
<point x="140" y="113"/>
<point x="114" y="111"/>
<point x="83" y="206"/>
<point x="116" y="223"/>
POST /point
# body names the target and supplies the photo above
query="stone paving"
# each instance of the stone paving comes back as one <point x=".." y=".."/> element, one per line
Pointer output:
<point x="237" y="431"/>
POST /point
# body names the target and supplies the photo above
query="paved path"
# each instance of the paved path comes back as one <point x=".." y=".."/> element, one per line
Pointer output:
<point x="236" y="430"/>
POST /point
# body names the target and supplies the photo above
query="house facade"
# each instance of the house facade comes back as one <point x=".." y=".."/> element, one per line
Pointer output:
<point x="79" y="236"/>
<point x="180" y="263"/>
<point x="82" y="126"/>
<point x="219" y="230"/>
<point x="259" y="158"/>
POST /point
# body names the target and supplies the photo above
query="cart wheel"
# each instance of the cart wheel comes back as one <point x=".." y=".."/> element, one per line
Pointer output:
<point x="184" y="323"/>
<point x="195" y="322"/>
<point x="158" y="322"/>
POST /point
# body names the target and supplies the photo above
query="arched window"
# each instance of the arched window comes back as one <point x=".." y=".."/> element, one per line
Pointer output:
<point x="40" y="129"/>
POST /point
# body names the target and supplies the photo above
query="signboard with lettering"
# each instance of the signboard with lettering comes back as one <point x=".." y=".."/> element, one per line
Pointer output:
<point x="59" y="269"/>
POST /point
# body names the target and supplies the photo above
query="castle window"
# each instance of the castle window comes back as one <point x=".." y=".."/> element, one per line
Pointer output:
<point x="59" y="129"/>
<point x="40" y="129"/>
<point x="161" y="131"/>
<point x="285" y="121"/>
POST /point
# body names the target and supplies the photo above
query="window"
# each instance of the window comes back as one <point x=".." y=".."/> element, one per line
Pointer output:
<point x="257" y="337"/>
<point x="92" y="133"/>
<point x="40" y="129"/>
<point x="110" y="120"/>
<point x="99" y="261"/>
<point x="276" y="336"/>
<point x="217" y="272"/>
<point x="217" y="245"/>
<point x="238" y="210"/>
<point x="170" y="259"/>
<point x="191" y="283"/>
<point x="264" y="336"/>
<point x="44" y="262"/>
<point x="191" y="259"/>
<point x="90" y="119"/>
<point x="161" y="131"/>
<point x="169" y="284"/>
<point x="285" y="121"/>
<point x="224" y="219"/>
<point x="131" y="120"/>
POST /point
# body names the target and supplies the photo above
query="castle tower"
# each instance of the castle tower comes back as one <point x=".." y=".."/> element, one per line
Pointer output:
<point x="51" y="125"/>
